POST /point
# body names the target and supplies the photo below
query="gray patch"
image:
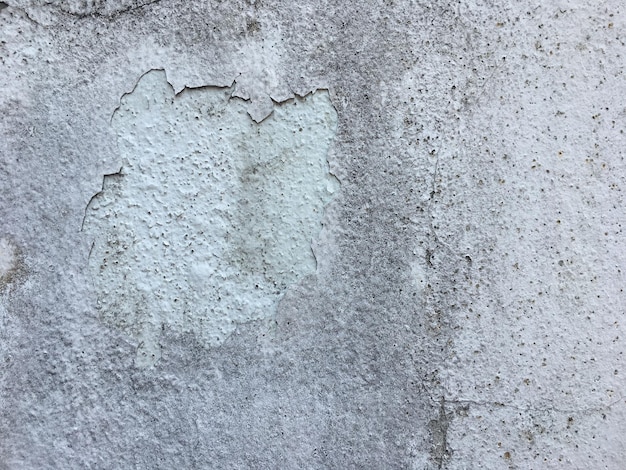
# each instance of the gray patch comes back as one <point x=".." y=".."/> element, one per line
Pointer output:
<point x="440" y="451"/>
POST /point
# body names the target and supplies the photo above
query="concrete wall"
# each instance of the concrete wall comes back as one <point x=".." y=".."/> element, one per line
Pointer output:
<point x="264" y="234"/>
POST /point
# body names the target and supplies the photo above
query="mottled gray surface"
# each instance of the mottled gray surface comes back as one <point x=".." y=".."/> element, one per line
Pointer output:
<point x="467" y="309"/>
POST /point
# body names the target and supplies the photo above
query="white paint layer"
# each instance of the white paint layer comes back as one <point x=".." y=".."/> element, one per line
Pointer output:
<point x="211" y="217"/>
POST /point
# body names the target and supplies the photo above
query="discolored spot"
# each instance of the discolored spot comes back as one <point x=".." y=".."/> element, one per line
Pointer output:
<point x="253" y="26"/>
<point x="11" y="266"/>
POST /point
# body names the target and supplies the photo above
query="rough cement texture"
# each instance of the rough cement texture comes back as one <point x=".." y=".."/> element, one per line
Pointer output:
<point x="449" y="275"/>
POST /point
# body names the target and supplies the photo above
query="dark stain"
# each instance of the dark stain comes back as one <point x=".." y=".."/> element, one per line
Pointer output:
<point x="17" y="272"/>
<point x="429" y="257"/>
<point x="253" y="26"/>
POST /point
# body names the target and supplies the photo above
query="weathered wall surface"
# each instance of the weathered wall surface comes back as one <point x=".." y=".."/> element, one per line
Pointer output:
<point x="260" y="234"/>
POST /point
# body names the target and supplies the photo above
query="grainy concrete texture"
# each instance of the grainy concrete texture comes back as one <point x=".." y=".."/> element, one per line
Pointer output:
<point x="264" y="234"/>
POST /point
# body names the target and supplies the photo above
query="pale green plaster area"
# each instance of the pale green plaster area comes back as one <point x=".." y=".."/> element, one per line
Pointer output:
<point x="212" y="215"/>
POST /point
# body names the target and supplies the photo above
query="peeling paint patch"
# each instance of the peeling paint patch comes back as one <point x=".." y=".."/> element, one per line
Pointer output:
<point x="211" y="216"/>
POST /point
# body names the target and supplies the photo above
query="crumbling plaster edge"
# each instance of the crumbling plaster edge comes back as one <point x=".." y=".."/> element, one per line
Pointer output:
<point x="118" y="168"/>
<point x="233" y="83"/>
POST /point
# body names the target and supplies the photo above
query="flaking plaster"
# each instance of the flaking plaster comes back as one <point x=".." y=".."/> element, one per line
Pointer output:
<point x="211" y="216"/>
